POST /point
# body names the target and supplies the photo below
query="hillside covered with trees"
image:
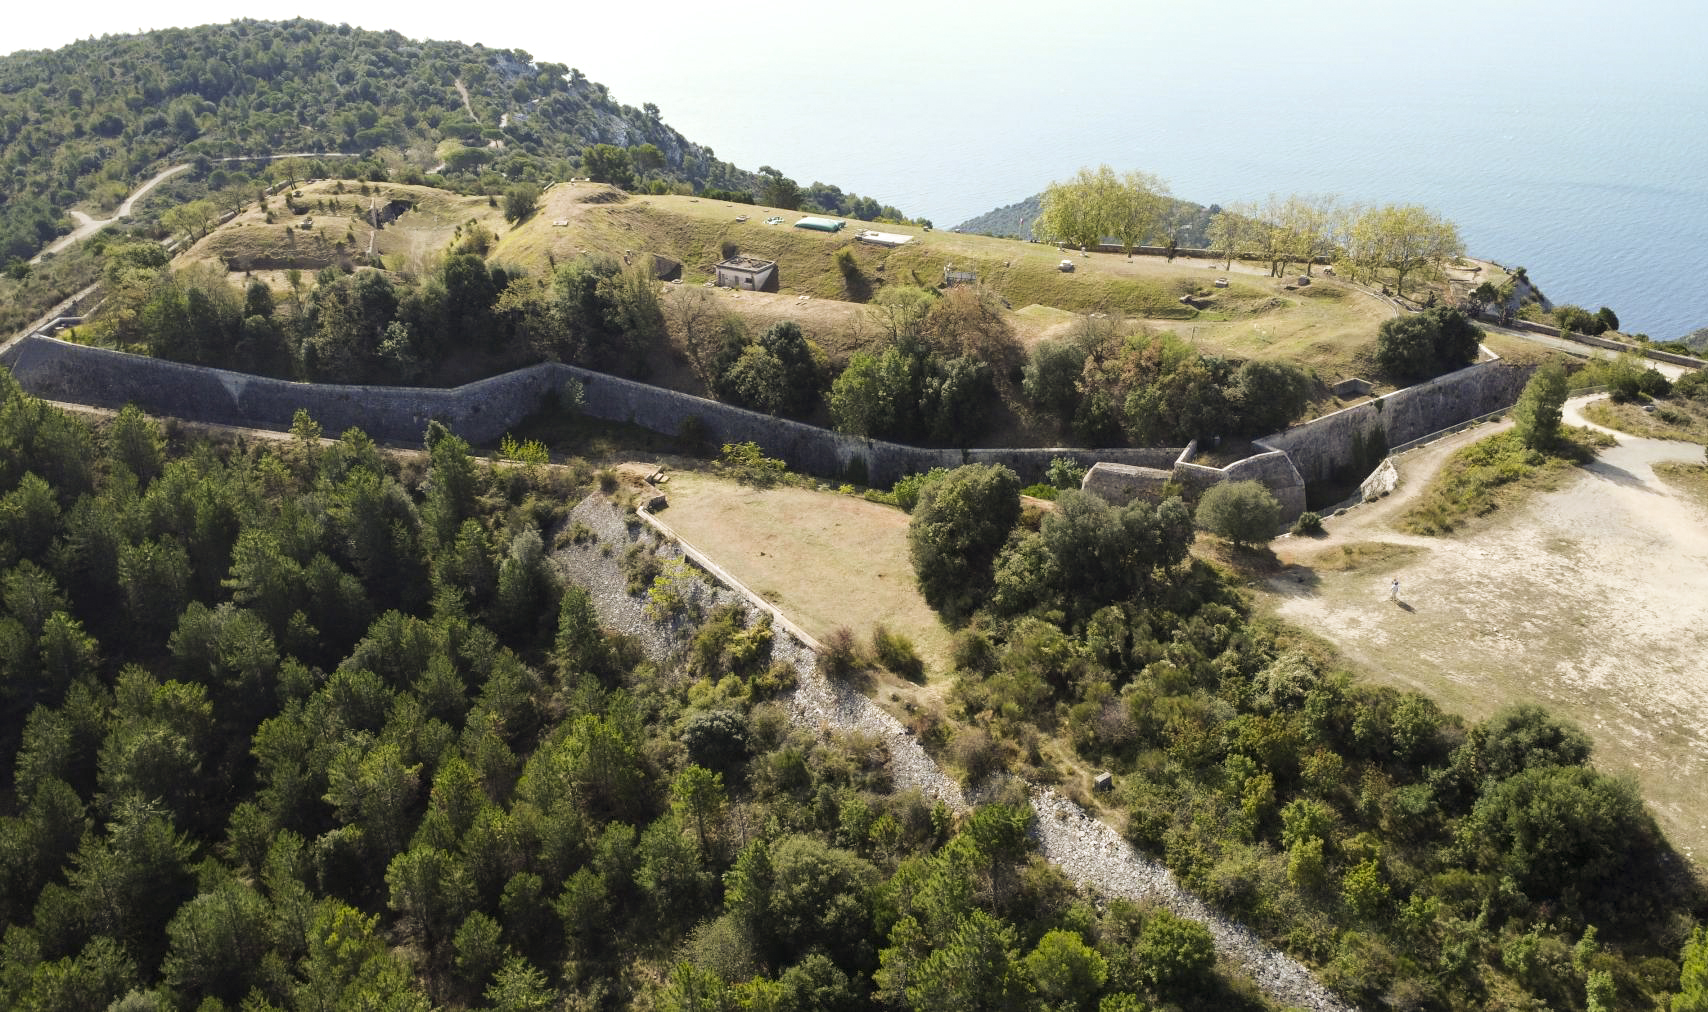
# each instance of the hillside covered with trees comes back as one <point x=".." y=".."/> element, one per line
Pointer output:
<point x="89" y="121"/>
<point x="297" y="725"/>
<point x="1420" y="860"/>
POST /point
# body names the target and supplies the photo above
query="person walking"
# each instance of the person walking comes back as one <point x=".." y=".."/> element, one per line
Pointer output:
<point x="1394" y="590"/>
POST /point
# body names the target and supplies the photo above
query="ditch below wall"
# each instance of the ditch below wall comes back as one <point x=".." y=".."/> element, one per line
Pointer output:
<point x="1357" y="438"/>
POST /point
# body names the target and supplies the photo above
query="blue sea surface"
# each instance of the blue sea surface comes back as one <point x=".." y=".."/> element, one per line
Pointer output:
<point x="1569" y="138"/>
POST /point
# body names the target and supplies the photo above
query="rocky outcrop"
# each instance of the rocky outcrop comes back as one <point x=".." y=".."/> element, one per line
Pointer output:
<point x="1381" y="482"/>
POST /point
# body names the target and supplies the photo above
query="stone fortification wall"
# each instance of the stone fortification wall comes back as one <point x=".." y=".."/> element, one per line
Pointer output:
<point x="480" y="412"/>
<point x="1326" y="447"/>
<point x="813" y="450"/>
<point x="1122" y="483"/>
<point x="1193" y="479"/>
<point x="483" y="411"/>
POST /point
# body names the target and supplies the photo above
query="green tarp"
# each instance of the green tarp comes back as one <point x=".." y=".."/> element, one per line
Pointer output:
<point x="820" y="224"/>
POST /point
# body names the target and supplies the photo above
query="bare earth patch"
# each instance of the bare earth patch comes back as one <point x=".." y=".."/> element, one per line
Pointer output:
<point x="1591" y="599"/>
<point x="825" y="560"/>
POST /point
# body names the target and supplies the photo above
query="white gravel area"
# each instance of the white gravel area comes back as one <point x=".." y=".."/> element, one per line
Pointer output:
<point x="1091" y="853"/>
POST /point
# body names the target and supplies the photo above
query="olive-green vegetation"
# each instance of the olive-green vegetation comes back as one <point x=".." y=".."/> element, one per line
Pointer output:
<point x="1243" y="512"/>
<point x="1097" y="203"/>
<point x="1416" y="860"/>
<point x="1184" y="222"/>
<point x="1630" y="377"/>
<point x="1371" y="243"/>
<point x="1645" y="403"/>
<point x="298" y="725"/>
<point x="957" y="528"/>
<point x="464" y="319"/>
<point x="1494" y="472"/>
<point x="82" y="125"/>
<point x="1424" y="345"/>
<point x="1536" y="416"/>
<point x="1110" y="383"/>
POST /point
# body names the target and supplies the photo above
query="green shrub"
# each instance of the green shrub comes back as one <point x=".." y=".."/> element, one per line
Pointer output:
<point x="1065" y="473"/>
<point x="747" y="463"/>
<point x="896" y="653"/>
<point x="906" y="490"/>
<point x="1041" y="491"/>
<point x="1309" y="524"/>
<point x="672" y="590"/>
<point x="1243" y="512"/>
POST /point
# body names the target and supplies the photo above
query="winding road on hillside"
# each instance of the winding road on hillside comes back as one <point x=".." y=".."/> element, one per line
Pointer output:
<point x="87" y="226"/>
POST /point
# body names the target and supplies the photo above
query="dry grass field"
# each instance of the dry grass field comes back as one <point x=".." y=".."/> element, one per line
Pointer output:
<point x="342" y="230"/>
<point x="1683" y="420"/>
<point x="826" y="560"/>
<point x="1326" y="325"/>
<point x="1591" y="599"/>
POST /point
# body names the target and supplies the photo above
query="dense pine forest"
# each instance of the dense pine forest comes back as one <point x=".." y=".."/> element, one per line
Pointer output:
<point x="295" y="724"/>
<point x="299" y="724"/>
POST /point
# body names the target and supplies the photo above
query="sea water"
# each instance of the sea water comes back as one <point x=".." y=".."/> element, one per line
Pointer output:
<point x="1568" y="138"/>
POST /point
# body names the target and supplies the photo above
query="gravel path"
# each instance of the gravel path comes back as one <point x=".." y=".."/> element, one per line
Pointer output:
<point x="87" y="226"/>
<point x="1091" y="853"/>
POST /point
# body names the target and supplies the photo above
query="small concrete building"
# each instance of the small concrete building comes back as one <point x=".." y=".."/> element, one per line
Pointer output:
<point x="748" y="273"/>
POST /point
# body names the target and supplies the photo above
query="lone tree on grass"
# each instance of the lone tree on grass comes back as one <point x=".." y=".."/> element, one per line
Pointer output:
<point x="1243" y="512"/>
<point x="1536" y="416"/>
<point x="520" y="201"/>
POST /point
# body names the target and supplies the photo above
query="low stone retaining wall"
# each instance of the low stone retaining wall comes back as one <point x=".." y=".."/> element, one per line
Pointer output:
<point x="1595" y="341"/>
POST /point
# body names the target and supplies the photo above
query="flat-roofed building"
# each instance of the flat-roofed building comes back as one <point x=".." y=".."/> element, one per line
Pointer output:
<point x="748" y="273"/>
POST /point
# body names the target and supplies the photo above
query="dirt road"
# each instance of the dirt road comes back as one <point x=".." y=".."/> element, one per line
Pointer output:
<point x="1591" y="600"/>
<point x="87" y="226"/>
